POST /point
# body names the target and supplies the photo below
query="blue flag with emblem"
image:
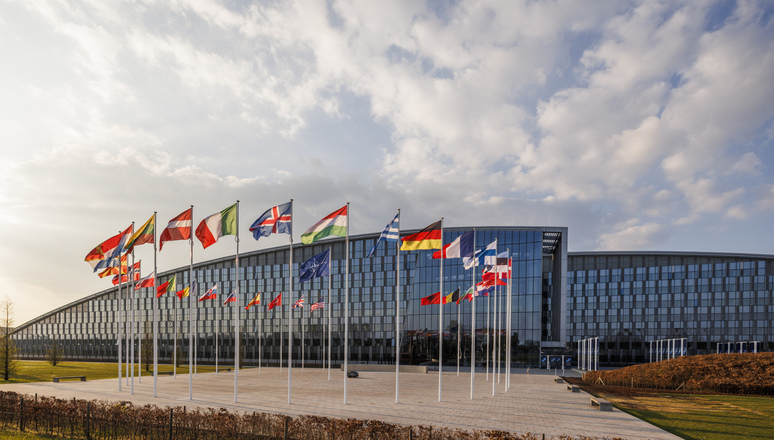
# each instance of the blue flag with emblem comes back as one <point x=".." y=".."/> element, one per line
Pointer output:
<point x="317" y="266"/>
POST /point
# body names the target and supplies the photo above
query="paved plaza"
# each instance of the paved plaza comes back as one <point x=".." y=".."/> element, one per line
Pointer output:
<point x="535" y="403"/>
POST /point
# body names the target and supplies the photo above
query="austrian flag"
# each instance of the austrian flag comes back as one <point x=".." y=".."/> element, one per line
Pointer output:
<point x="217" y="225"/>
<point x="179" y="228"/>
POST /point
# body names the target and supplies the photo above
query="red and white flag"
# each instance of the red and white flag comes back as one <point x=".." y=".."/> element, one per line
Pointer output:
<point x="318" y="305"/>
<point x="179" y="228"/>
<point x="147" y="281"/>
<point x="275" y="302"/>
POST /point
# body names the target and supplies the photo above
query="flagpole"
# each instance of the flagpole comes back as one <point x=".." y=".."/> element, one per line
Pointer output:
<point x="330" y="306"/>
<point x="397" y="314"/>
<point x="236" y="309"/>
<point x="473" y="321"/>
<point x="191" y="294"/>
<point x="303" y="336"/>
<point x="217" y="332"/>
<point x="499" y="320"/>
<point x="509" y="325"/>
<point x="282" y="332"/>
<point x="120" y="320"/>
<point x="260" y="341"/>
<point x="488" y="330"/>
<point x="141" y="336"/>
<point x="458" y="336"/>
<point x="440" y="321"/>
<point x="174" y="345"/>
<point x="346" y="308"/>
<point x="494" y="325"/>
<point x="155" y="318"/>
<point x="130" y="273"/>
<point x="290" y="309"/>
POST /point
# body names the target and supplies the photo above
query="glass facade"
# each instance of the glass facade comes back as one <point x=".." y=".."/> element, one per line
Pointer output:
<point x="628" y="300"/>
<point x="88" y="329"/>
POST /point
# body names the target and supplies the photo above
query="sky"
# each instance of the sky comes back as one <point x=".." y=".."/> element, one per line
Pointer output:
<point x="639" y="125"/>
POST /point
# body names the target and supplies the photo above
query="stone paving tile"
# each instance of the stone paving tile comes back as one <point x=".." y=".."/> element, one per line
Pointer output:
<point x="535" y="403"/>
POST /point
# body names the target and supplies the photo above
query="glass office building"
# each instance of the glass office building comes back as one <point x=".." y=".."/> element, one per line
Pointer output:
<point x="88" y="329"/>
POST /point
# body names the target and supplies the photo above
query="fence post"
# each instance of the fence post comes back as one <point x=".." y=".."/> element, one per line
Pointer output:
<point x="411" y="434"/>
<point x="88" y="414"/>
<point x="170" y="423"/>
<point x="21" y="414"/>
<point x="286" y="428"/>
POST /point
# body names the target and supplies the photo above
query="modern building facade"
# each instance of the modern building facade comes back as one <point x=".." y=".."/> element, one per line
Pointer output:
<point x="626" y="299"/>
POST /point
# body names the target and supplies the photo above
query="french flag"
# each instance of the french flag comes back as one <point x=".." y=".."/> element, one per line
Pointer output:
<point x="461" y="247"/>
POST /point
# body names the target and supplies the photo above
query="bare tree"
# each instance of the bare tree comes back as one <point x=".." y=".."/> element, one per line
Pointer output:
<point x="54" y="354"/>
<point x="8" y="362"/>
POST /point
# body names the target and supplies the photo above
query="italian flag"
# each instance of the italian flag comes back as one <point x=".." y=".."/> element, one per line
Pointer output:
<point x="334" y="223"/>
<point x="217" y="225"/>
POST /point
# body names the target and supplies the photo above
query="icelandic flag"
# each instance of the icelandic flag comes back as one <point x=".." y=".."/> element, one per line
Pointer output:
<point x="391" y="233"/>
<point x="482" y="257"/>
<point x="461" y="247"/>
<point x="210" y="294"/>
<point x="276" y="220"/>
<point x="231" y="298"/>
<point x="317" y="266"/>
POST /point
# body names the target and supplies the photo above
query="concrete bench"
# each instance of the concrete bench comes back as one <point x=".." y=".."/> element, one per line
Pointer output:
<point x="603" y="404"/>
<point x="573" y="388"/>
<point x="558" y="379"/>
<point x="57" y="379"/>
<point x="168" y="373"/>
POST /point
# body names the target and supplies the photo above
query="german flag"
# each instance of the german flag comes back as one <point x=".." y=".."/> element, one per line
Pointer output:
<point x="428" y="238"/>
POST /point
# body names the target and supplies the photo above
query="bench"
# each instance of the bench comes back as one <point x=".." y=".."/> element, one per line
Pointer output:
<point x="558" y="379"/>
<point x="57" y="379"/>
<point x="168" y="373"/>
<point x="603" y="404"/>
<point x="573" y="388"/>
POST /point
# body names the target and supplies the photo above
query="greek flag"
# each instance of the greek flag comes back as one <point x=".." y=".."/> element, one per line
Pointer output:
<point x="391" y="233"/>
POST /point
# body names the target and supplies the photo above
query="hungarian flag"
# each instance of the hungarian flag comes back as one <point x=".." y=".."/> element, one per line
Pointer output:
<point x="231" y="298"/>
<point x="274" y="221"/>
<point x="334" y="223"/>
<point x="210" y="294"/>
<point x="168" y="286"/>
<point x="146" y="234"/>
<point x="254" y="302"/>
<point x="428" y="238"/>
<point x="106" y="254"/>
<point x="432" y="299"/>
<point x="147" y="281"/>
<point x="179" y="228"/>
<point x="461" y="247"/>
<point x="217" y="225"/>
<point x="468" y="296"/>
<point x="275" y="302"/>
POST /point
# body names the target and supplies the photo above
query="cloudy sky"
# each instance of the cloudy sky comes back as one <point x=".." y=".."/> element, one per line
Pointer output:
<point x="638" y="125"/>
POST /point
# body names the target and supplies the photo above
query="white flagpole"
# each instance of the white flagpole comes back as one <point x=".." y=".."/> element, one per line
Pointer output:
<point x="120" y="318"/>
<point x="397" y="314"/>
<point x="155" y="317"/>
<point x="282" y="332"/>
<point x="346" y="308"/>
<point x="510" y="324"/>
<point x="290" y="312"/>
<point x="303" y="337"/>
<point x="473" y="321"/>
<point x="174" y="346"/>
<point x="458" y="335"/>
<point x="236" y="309"/>
<point x="440" y="321"/>
<point x="191" y="294"/>
<point x="217" y="332"/>
<point x="141" y="335"/>
<point x="260" y="340"/>
<point x="488" y="329"/>
<point x="494" y="325"/>
<point x="330" y="306"/>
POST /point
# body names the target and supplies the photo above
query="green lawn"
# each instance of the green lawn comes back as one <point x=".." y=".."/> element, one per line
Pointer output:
<point x="709" y="417"/>
<point x="13" y="435"/>
<point x="41" y="371"/>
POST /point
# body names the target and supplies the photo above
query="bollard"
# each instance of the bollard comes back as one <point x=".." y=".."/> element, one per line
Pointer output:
<point x="170" y="423"/>
<point x="88" y="410"/>
<point x="286" y="428"/>
<point x="21" y="414"/>
<point x="411" y="434"/>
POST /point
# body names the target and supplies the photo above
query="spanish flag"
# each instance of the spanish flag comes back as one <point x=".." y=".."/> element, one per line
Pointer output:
<point x="184" y="293"/>
<point x="428" y="238"/>
<point x="254" y="302"/>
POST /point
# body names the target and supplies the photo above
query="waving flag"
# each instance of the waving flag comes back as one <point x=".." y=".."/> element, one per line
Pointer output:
<point x="168" y="286"/>
<point x="274" y="221"/>
<point x="461" y="247"/>
<point x="184" y="293"/>
<point x="147" y="281"/>
<point x="254" y="302"/>
<point x="107" y="253"/>
<point x="145" y="234"/>
<point x="135" y="273"/>
<point x="468" y="296"/>
<point x="318" y="305"/>
<point x="299" y="303"/>
<point x="391" y="233"/>
<point x="428" y="238"/>
<point x="275" y="302"/>
<point x="317" y="266"/>
<point x="231" y="298"/>
<point x="334" y="223"/>
<point x="116" y="270"/>
<point x="216" y="226"/>
<point x="179" y="228"/>
<point x="452" y="297"/>
<point x="432" y="299"/>
<point x="482" y="257"/>
<point x="210" y="294"/>
<point x="502" y="269"/>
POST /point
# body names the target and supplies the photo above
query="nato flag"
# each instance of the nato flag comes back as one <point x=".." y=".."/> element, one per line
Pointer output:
<point x="317" y="266"/>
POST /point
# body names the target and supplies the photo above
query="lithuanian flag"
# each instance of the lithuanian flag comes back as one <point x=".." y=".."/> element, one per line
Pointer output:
<point x="146" y="234"/>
